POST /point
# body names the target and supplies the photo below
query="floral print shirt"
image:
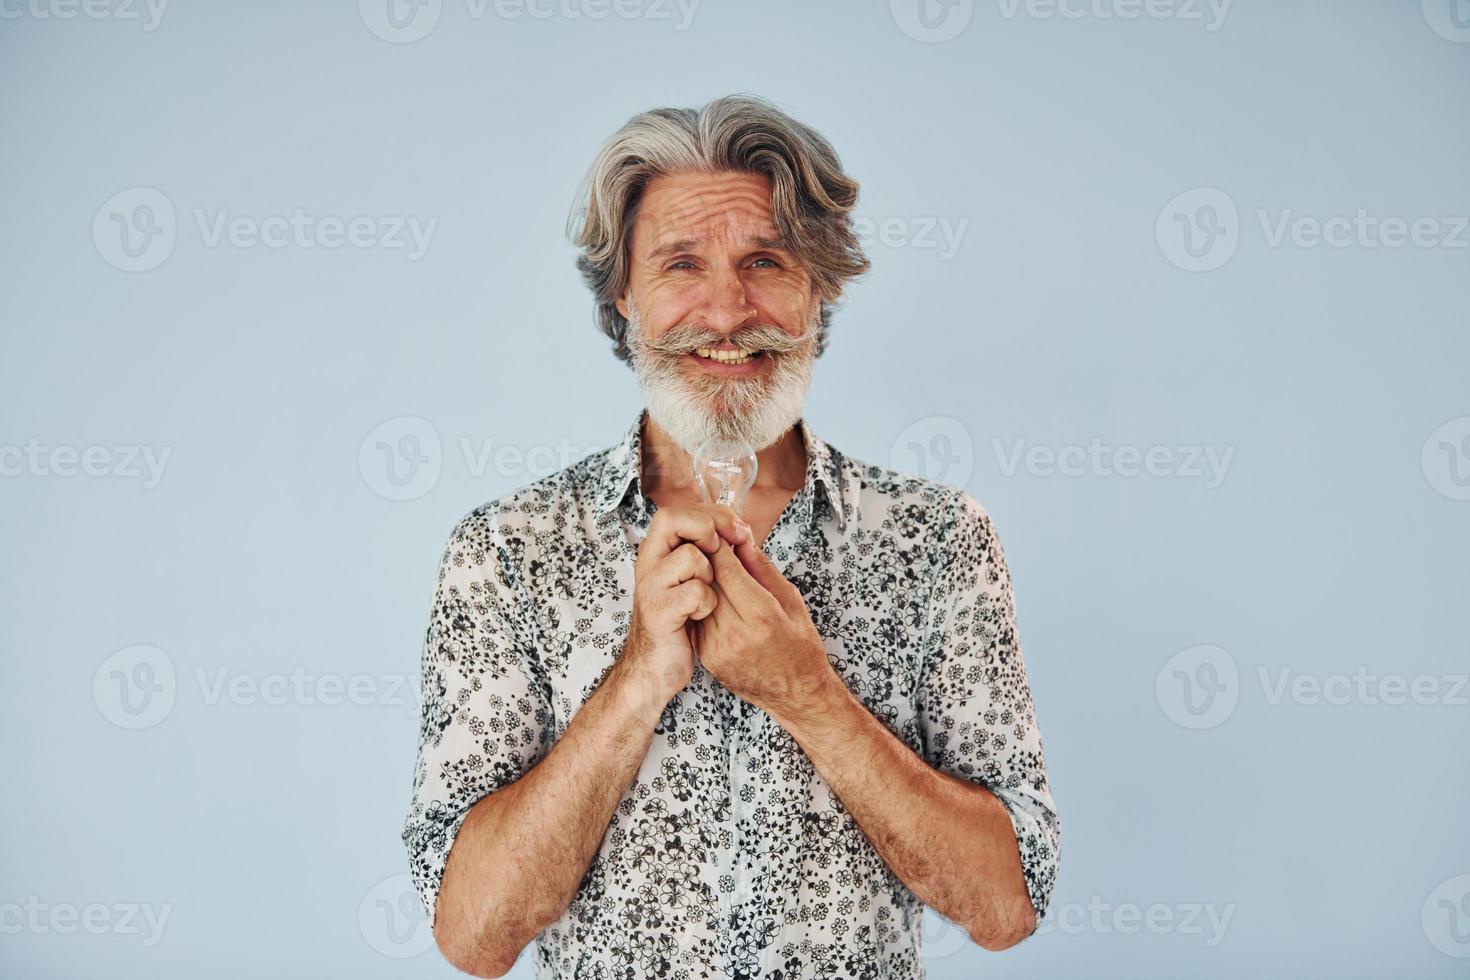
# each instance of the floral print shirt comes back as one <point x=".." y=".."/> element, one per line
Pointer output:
<point x="728" y="855"/>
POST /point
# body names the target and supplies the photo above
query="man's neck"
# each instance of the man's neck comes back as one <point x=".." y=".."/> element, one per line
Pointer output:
<point x="667" y="467"/>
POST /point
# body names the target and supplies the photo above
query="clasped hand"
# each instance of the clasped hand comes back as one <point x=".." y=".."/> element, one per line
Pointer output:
<point x="760" y="641"/>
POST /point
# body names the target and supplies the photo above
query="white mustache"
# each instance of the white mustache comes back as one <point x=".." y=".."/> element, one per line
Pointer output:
<point x="772" y="340"/>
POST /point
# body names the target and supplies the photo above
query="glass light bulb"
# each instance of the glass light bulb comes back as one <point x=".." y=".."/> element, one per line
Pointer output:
<point x="725" y="472"/>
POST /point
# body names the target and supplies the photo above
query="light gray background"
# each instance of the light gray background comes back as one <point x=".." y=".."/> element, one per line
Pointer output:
<point x="1055" y="140"/>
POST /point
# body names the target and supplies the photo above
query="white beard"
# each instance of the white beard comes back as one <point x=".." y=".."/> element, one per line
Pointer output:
<point x="756" y="410"/>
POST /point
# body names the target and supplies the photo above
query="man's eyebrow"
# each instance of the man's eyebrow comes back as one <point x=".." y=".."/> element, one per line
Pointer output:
<point x="672" y="248"/>
<point x="691" y="244"/>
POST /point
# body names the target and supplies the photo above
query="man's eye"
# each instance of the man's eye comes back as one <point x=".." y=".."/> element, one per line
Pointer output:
<point x="681" y="264"/>
<point x="773" y="263"/>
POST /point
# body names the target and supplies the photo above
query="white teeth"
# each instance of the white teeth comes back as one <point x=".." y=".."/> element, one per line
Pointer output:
<point x="724" y="357"/>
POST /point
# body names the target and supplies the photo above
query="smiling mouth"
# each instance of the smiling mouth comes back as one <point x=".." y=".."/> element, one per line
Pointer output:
<point x="727" y="357"/>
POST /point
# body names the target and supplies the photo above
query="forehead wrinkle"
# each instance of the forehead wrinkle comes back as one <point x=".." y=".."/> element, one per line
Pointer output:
<point x="730" y="209"/>
<point x="693" y="245"/>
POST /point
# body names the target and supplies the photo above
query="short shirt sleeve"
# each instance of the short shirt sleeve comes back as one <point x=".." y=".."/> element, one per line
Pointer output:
<point x="974" y="704"/>
<point x="485" y="716"/>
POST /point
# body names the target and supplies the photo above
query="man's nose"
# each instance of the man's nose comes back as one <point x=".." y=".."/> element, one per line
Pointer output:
<point x="727" y="307"/>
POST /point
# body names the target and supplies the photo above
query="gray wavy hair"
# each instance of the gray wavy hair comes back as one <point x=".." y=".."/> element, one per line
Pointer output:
<point x="811" y="197"/>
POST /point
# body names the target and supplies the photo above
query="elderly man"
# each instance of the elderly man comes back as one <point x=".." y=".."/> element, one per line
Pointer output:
<point x="663" y="739"/>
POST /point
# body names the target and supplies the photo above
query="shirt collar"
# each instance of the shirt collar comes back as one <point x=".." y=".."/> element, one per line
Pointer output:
<point x="622" y="469"/>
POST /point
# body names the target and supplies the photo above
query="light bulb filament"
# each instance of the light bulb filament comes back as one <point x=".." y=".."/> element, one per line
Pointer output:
<point x="724" y="472"/>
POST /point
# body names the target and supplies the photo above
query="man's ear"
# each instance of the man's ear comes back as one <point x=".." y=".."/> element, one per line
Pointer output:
<point x="622" y="304"/>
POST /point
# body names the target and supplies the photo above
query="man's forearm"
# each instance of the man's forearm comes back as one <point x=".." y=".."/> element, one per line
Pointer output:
<point x="950" y="841"/>
<point x="522" y="851"/>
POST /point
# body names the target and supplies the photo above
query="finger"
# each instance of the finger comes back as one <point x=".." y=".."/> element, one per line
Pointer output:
<point x="693" y="599"/>
<point x="702" y="524"/>
<point x="723" y="611"/>
<point x="733" y="527"/>
<point x="673" y="526"/>
<point x="764" y="571"/>
<point x="729" y="525"/>
<point x="710" y="616"/>
<point x="683" y="563"/>
<point x="735" y="582"/>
